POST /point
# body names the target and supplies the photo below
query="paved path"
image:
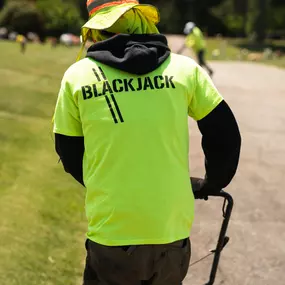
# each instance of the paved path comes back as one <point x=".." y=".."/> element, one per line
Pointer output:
<point x="256" y="252"/>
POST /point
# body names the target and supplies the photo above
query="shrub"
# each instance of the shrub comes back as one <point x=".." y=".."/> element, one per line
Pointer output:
<point x="22" y="18"/>
<point x="60" y="18"/>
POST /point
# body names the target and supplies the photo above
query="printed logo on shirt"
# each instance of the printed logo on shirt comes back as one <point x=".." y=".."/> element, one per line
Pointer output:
<point x="107" y="89"/>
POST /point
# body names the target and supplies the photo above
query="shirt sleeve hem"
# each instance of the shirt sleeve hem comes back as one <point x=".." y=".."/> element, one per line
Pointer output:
<point x="67" y="133"/>
<point x="209" y="110"/>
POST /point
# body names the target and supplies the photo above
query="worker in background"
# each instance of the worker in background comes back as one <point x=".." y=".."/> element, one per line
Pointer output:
<point x="23" y="43"/>
<point x="195" y="40"/>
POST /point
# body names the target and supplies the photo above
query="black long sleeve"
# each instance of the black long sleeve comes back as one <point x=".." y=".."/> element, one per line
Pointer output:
<point x="221" y="143"/>
<point x="70" y="151"/>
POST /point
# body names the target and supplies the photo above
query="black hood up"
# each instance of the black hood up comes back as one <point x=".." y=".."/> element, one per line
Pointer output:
<point x="135" y="54"/>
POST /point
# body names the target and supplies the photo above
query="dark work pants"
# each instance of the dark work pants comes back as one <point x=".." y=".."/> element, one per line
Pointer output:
<point x="201" y="57"/>
<point x="202" y="62"/>
<point x="137" y="265"/>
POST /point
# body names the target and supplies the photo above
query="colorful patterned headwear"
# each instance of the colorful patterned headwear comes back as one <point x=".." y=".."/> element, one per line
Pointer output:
<point x="104" y="13"/>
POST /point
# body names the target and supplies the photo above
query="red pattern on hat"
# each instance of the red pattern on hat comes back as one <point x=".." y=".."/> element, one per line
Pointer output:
<point x="113" y="3"/>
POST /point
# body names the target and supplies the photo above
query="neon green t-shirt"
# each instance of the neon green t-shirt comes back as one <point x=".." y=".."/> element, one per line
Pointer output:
<point x="195" y="40"/>
<point x="135" y="132"/>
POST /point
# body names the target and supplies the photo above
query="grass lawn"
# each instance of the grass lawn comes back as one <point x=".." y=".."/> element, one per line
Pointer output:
<point x="42" y="225"/>
<point x="238" y="49"/>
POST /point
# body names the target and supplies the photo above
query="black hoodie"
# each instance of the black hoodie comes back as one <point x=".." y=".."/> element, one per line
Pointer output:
<point x="141" y="54"/>
<point x="135" y="54"/>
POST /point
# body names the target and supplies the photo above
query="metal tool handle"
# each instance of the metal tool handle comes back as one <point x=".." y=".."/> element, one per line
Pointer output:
<point x="223" y="239"/>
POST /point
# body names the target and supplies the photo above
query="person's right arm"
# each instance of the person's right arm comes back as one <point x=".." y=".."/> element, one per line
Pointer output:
<point x="70" y="151"/>
<point x="69" y="139"/>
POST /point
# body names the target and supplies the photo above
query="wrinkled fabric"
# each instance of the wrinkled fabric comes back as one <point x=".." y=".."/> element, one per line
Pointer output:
<point x="136" y="54"/>
<point x="137" y="265"/>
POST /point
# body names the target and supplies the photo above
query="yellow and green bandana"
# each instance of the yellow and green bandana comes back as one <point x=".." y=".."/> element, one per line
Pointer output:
<point x="116" y="17"/>
<point x="132" y="22"/>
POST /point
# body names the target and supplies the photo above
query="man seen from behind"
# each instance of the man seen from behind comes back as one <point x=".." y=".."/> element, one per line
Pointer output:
<point x="121" y="130"/>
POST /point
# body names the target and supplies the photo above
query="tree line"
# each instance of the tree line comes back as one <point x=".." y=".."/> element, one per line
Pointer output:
<point x="236" y="18"/>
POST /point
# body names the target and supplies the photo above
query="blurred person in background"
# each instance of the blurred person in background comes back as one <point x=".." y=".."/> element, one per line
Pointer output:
<point x="195" y="40"/>
<point x="121" y="130"/>
<point x="23" y="42"/>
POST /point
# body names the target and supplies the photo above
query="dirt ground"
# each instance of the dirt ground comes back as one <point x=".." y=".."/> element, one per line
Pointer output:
<point x="256" y="252"/>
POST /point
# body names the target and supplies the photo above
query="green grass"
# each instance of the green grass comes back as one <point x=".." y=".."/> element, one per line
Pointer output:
<point x="42" y="225"/>
<point x="239" y="49"/>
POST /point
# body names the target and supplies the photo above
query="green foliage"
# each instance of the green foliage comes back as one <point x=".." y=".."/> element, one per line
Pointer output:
<point x="227" y="17"/>
<point x="256" y="25"/>
<point x="276" y="18"/>
<point x="81" y="4"/>
<point x="234" y="23"/>
<point x="174" y="15"/>
<point x="231" y="19"/>
<point x="2" y="2"/>
<point x="252" y="17"/>
<point x="60" y="17"/>
<point x="22" y="18"/>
